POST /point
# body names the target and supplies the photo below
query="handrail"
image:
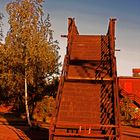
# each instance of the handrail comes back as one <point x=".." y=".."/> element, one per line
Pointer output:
<point x="84" y="125"/>
<point x="72" y="31"/>
<point x="59" y="92"/>
<point x="108" y="48"/>
<point x="111" y="35"/>
<point x="83" y="130"/>
<point x="131" y="96"/>
<point x="88" y="135"/>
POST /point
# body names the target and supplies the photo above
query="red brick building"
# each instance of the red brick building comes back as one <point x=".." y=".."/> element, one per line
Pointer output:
<point x="131" y="84"/>
<point x="130" y="87"/>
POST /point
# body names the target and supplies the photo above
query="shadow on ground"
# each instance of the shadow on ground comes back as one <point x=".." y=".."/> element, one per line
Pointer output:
<point x="38" y="134"/>
<point x="22" y="130"/>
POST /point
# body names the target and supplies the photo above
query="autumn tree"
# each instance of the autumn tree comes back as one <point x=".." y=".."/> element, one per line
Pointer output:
<point x="127" y="110"/>
<point x="1" y="56"/>
<point x="1" y="33"/>
<point x="31" y="53"/>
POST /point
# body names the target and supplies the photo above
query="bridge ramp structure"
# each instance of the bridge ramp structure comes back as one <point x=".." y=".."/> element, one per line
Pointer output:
<point x="87" y="103"/>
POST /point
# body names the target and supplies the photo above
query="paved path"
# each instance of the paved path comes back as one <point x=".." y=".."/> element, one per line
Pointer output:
<point x="130" y="133"/>
<point x="8" y="132"/>
<point x="17" y="130"/>
<point x="13" y="128"/>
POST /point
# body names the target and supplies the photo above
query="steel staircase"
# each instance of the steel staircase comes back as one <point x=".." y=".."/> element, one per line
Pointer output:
<point x="87" y="104"/>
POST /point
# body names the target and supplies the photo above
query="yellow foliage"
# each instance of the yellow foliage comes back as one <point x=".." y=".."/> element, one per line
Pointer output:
<point x="29" y="48"/>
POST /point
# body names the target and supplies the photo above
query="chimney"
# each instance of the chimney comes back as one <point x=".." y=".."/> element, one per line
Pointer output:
<point x="136" y="72"/>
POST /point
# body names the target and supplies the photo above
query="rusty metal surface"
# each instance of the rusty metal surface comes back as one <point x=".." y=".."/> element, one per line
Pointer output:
<point x="89" y="47"/>
<point x="136" y="72"/>
<point x="87" y="105"/>
<point x="129" y="87"/>
<point x="130" y="84"/>
<point x="130" y="133"/>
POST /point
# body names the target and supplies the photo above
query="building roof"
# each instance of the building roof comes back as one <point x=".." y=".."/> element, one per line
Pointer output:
<point x="129" y="77"/>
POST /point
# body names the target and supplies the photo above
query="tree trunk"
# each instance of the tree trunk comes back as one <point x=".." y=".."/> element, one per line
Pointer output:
<point x="26" y="104"/>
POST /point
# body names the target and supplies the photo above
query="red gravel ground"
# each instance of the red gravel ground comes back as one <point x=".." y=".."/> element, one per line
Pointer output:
<point x="8" y="132"/>
<point x="13" y="128"/>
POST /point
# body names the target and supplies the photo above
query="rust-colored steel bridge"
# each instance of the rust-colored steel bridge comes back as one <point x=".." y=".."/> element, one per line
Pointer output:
<point x="87" y="104"/>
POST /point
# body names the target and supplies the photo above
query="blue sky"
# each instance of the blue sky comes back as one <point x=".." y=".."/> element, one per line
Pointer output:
<point x="92" y="17"/>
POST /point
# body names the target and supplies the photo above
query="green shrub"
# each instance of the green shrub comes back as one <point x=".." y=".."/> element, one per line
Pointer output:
<point x="44" y="109"/>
